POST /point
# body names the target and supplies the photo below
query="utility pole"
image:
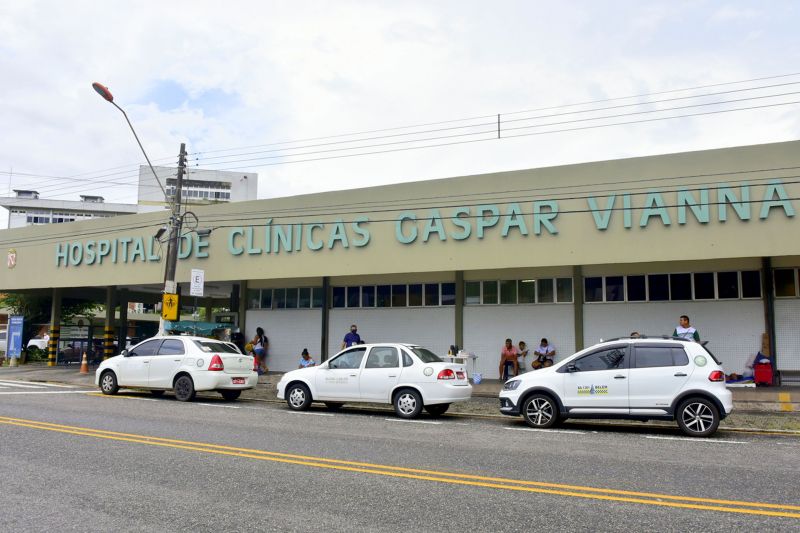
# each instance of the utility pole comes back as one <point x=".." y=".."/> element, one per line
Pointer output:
<point x="175" y="224"/>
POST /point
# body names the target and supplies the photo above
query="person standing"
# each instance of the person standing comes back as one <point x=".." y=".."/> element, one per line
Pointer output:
<point x="508" y="360"/>
<point x="351" y="338"/>
<point x="685" y="330"/>
<point x="260" y="346"/>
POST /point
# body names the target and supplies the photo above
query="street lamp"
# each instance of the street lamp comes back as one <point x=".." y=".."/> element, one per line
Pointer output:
<point x="170" y="287"/>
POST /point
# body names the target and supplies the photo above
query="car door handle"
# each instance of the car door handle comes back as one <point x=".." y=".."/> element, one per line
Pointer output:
<point x="680" y="375"/>
<point x="353" y="375"/>
<point x="392" y="376"/>
<point x="145" y="362"/>
<point x="619" y="377"/>
<point x="177" y="360"/>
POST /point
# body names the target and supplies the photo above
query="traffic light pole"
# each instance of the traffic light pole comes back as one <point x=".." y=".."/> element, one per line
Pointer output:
<point x="175" y="224"/>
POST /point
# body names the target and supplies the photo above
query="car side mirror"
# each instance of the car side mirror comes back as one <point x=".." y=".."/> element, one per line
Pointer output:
<point x="572" y="368"/>
<point x="124" y="353"/>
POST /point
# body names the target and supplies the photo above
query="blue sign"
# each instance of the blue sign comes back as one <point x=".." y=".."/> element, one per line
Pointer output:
<point x="14" y="336"/>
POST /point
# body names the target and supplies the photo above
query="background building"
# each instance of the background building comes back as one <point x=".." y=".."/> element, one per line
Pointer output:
<point x="200" y="187"/>
<point x="26" y="208"/>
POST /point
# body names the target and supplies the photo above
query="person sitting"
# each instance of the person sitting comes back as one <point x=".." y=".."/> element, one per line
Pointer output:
<point x="522" y="353"/>
<point x="544" y="355"/>
<point x="305" y="360"/>
<point x="508" y="360"/>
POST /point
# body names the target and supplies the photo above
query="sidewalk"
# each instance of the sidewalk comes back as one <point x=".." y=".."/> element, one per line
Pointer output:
<point x="752" y="400"/>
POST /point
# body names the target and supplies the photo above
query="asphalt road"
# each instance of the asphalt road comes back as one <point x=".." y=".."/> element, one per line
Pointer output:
<point x="84" y="462"/>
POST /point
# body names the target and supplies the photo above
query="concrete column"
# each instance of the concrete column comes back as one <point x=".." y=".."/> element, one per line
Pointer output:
<point x="577" y="305"/>
<point x="241" y="305"/>
<point x="209" y="308"/>
<point x="122" y="333"/>
<point x="108" y="327"/>
<point x="459" y="311"/>
<point x="768" y="296"/>
<point x="325" y="317"/>
<point x="55" y="328"/>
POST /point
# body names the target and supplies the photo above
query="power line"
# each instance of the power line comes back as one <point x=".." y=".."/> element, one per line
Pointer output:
<point x="564" y="106"/>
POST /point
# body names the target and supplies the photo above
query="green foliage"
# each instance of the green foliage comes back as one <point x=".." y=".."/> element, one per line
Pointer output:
<point x="35" y="354"/>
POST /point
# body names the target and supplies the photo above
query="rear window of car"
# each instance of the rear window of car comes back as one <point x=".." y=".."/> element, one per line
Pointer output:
<point x="216" y="346"/>
<point x="714" y="357"/>
<point x="426" y="356"/>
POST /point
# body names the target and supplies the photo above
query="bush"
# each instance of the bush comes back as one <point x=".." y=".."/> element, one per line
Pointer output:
<point x="35" y="354"/>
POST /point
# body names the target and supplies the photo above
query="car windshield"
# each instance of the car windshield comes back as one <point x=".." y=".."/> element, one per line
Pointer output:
<point x="426" y="356"/>
<point x="216" y="346"/>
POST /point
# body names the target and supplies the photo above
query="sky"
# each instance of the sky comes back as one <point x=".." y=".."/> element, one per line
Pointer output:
<point x="225" y="76"/>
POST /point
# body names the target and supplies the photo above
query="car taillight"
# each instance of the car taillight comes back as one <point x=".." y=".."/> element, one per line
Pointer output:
<point x="460" y="375"/>
<point x="255" y="364"/>
<point x="446" y="374"/>
<point x="716" y="375"/>
<point x="216" y="364"/>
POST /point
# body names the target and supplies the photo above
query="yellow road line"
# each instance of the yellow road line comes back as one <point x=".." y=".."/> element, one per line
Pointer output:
<point x="428" y="475"/>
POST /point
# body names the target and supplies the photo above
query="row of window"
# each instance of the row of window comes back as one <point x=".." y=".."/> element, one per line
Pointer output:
<point x="645" y="357"/>
<point x="56" y="217"/>
<point x="400" y="295"/>
<point x="665" y="287"/>
<point x="522" y="291"/>
<point x="294" y="298"/>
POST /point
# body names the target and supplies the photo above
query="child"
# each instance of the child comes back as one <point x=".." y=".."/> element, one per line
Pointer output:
<point x="305" y="359"/>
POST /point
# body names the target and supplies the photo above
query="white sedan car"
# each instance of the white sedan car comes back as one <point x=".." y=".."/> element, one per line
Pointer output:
<point x="183" y="364"/>
<point x="407" y="376"/>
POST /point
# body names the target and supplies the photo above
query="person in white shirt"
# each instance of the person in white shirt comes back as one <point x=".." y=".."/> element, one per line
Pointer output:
<point x="522" y="353"/>
<point x="685" y="330"/>
<point x="544" y="355"/>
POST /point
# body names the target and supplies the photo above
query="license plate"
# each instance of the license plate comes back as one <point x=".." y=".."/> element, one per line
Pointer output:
<point x="460" y="375"/>
<point x="238" y="381"/>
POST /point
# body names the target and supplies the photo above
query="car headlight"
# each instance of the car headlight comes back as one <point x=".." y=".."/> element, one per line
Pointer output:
<point x="512" y="384"/>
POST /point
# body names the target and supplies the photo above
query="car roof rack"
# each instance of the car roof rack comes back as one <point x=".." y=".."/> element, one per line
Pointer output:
<point x="660" y="337"/>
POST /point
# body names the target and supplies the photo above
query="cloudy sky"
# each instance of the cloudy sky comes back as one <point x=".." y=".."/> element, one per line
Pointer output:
<point x="231" y="79"/>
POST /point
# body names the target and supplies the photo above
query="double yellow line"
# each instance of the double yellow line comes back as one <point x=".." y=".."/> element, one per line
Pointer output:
<point x="576" y="491"/>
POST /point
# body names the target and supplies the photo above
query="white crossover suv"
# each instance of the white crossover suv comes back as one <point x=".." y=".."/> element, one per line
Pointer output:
<point x="407" y="376"/>
<point x="632" y="378"/>
<point x="183" y="364"/>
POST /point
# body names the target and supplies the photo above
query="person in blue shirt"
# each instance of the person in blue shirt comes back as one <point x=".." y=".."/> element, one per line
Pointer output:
<point x="305" y="359"/>
<point x="351" y="338"/>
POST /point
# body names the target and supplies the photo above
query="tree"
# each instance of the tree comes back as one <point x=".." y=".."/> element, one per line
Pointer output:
<point x="35" y="310"/>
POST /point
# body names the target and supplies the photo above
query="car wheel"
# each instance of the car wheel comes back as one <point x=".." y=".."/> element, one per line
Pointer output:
<point x="407" y="403"/>
<point x="184" y="389"/>
<point x="298" y="397"/>
<point x="438" y="409"/>
<point x="333" y="406"/>
<point x="231" y="395"/>
<point x="698" y="417"/>
<point x="540" y="411"/>
<point x="158" y="393"/>
<point x="108" y="383"/>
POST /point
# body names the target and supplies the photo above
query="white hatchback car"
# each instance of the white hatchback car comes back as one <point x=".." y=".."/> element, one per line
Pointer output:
<point x="630" y="378"/>
<point x="180" y="363"/>
<point x="407" y="376"/>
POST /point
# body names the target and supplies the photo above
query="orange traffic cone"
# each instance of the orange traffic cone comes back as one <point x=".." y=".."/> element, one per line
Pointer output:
<point x="84" y="364"/>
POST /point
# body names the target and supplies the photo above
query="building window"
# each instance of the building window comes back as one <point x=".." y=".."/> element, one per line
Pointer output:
<point x="415" y="295"/>
<point x="353" y="296"/>
<point x="338" y="299"/>
<point x="751" y="284"/>
<point x="384" y="296"/>
<point x="545" y="289"/>
<point x="368" y="296"/>
<point x="704" y="286"/>
<point x="728" y="285"/>
<point x="266" y="299"/>
<point x="279" y="298"/>
<point x="399" y="296"/>
<point x="448" y="294"/>
<point x="526" y="288"/>
<point x="472" y="293"/>
<point x="564" y="290"/>
<point x="253" y="299"/>
<point x="658" y="287"/>
<point x="431" y="294"/>
<point x="304" y="297"/>
<point x="593" y="289"/>
<point x="615" y="289"/>
<point x="291" y="299"/>
<point x="489" y="292"/>
<point x="637" y="288"/>
<point x="508" y="292"/>
<point x="680" y="286"/>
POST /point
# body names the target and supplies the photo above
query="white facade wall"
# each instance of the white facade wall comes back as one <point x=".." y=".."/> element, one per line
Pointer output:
<point x="787" y="334"/>
<point x="289" y="331"/>
<point x="733" y="328"/>
<point x="486" y="328"/>
<point x="432" y="327"/>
